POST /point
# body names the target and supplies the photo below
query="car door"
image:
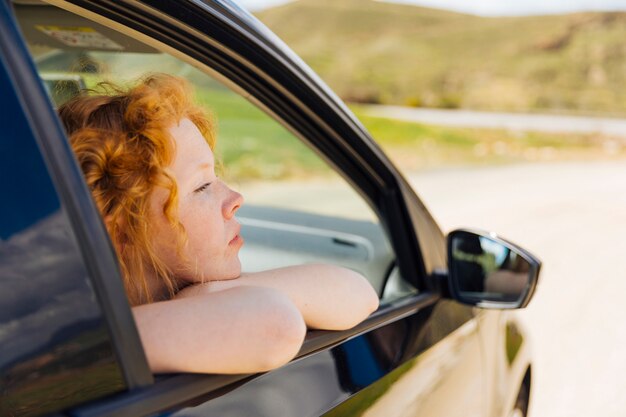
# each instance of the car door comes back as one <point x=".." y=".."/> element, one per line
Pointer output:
<point x="414" y="355"/>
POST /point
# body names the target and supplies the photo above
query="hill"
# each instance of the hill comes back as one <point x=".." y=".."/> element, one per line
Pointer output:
<point x="377" y="52"/>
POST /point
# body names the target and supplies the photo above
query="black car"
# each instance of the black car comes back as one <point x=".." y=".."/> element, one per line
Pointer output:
<point x="318" y="189"/>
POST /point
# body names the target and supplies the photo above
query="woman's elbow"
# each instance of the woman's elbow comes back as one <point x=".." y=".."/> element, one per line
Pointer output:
<point x="373" y="301"/>
<point x="360" y="300"/>
<point x="363" y="306"/>
<point x="362" y="293"/>
<point x="281" y="334"/>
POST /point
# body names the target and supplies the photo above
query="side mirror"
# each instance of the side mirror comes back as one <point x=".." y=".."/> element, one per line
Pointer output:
<point x="490" y="272"/>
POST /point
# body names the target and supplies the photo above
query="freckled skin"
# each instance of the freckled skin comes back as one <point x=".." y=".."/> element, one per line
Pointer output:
<point x="206" y="209"/>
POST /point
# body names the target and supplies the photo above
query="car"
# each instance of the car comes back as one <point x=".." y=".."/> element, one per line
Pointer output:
<point x="445" y="340"/>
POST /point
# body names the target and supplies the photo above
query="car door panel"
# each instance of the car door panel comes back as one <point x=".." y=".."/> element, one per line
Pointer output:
<point x="279" y="237"/>
<point x="441" y="361"/>
<point x="425" y="385"/>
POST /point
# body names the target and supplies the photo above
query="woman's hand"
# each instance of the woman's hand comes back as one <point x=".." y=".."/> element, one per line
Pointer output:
<point x="329" y="297"/>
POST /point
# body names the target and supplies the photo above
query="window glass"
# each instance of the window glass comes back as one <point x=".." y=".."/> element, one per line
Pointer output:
<point x="297" y="208"/>
<point x="55" y="350"/>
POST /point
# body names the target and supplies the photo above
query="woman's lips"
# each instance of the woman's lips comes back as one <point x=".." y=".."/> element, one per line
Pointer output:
<point x="237" y="240"/>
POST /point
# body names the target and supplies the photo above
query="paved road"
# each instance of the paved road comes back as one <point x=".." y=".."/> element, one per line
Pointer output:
<point x="574" y="217"/>
<point x="509" y="121"/>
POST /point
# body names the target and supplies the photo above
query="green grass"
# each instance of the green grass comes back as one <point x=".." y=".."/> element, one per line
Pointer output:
<point x="416" y="146"/>
<point x="253" y="146"/>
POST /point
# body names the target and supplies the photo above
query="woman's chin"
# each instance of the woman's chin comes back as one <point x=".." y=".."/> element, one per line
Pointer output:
<point x="236" y="272"/>
<point x="233" y="272"/>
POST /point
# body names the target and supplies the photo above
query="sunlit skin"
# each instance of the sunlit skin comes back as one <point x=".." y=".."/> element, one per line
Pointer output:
<point x="226" y="321"/>
<point x="206" y="208"/>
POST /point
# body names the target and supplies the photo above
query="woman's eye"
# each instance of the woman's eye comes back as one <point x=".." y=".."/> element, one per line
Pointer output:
<point x="202" y="188"/>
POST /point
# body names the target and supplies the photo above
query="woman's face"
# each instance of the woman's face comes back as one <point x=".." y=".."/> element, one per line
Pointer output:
<point x="206" y="208"/>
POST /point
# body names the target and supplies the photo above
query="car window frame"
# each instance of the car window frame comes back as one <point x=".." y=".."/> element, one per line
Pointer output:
<point x="375" y="178"/>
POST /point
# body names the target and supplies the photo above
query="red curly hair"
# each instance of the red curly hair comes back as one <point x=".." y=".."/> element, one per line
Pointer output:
<point x="121" y="140"/>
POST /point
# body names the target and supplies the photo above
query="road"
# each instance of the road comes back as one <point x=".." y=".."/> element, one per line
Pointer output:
<point x="508" y="121"/>
<point x="573" y="216"/>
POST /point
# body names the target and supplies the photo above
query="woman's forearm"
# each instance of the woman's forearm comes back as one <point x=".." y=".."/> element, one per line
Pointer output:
<point x="242" y="330"/>
<point x="329" y="297"/>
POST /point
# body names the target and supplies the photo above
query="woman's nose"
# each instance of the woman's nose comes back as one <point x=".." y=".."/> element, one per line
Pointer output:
<point x="232" y="203"/>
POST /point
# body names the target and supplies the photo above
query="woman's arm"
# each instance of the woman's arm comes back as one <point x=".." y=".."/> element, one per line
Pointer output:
<point x="329" y="297"/>
<point x="240" y="330"/>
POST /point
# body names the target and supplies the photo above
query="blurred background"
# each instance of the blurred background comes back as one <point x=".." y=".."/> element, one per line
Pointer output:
<point x="507" y="116"/>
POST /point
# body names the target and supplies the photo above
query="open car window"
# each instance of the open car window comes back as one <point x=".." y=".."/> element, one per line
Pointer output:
<point x="298" y="208"/>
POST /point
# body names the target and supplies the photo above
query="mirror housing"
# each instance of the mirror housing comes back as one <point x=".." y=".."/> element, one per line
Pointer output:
<point x="487" y="271"/>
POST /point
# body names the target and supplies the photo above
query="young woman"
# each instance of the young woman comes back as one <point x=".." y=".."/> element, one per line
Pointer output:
<point x="147" y="156"/>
